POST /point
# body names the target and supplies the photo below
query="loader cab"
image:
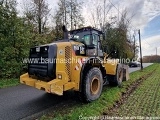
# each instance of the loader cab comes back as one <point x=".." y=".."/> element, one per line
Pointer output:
<point x="91" y="38"/>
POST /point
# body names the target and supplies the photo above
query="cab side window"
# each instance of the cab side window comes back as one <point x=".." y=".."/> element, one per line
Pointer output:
<point x="95" y="39"/>
<point x="87" y="39"/>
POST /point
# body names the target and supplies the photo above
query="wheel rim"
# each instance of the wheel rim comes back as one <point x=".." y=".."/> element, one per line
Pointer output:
<point x="95" y="85"/>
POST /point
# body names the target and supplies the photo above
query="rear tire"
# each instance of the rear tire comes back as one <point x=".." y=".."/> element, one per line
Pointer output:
<point x="116" y="80"/>
<point x="92" y="85"/>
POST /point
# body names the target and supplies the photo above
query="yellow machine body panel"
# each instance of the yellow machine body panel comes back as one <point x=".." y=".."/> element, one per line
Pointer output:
<point x="69" y="64"/>
<point x="110" y="66"/>
<point x="68" y="68"/>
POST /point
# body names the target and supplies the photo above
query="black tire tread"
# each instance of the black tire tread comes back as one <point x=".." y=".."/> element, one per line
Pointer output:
<point x="113" y="80"/>
<point x="83" y="95"/>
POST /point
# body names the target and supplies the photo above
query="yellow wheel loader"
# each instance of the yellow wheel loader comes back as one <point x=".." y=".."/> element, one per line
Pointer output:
<point x="75" y="63"/>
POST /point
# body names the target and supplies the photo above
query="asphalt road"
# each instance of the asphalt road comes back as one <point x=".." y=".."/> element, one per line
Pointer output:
<point x="21" y="101"/>
<point x="138" y="68"/>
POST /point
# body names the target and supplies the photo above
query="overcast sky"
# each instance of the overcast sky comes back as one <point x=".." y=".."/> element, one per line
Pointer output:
<point x="146" y="18"/>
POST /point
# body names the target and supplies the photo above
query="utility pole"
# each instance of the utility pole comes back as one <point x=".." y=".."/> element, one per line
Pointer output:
<point x="156" y="51"/>
<point x="140" y="48"/>
<point x="134" y="46"/>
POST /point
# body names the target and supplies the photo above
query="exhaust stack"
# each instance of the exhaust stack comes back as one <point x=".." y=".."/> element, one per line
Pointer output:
<point x="65" y="32"/>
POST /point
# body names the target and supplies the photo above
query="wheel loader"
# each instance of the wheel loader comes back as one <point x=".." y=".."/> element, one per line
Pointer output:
<point x="75" y="63"/>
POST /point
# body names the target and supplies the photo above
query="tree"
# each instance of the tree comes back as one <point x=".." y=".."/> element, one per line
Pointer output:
<point x="69" y="14"/>
<point x="37" y="13"/>
<point x="16" y="39"/>
<point x="99" y="11"/>
<point x="76" y="19"/>
<point x="117" y="37"/>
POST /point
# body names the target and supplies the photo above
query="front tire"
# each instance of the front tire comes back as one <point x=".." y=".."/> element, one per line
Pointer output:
<point x="92" y="85"/>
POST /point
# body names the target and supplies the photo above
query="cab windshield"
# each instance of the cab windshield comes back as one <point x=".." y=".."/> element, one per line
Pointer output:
<point x="83" y="37"/>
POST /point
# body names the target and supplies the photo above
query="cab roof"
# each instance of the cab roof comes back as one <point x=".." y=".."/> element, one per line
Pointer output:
<point x="89" y="28"/>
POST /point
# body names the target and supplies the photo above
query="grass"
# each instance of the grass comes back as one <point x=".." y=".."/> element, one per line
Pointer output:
<point x="8" y="83"/>
<point x="145" y="101"/>
<point x="107" y="100"/>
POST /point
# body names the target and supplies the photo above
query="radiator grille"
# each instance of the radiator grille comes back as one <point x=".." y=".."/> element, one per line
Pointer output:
<point x="67" y="58"/>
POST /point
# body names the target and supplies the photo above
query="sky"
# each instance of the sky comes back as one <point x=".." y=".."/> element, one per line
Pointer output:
<point x="144" y="14"/>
